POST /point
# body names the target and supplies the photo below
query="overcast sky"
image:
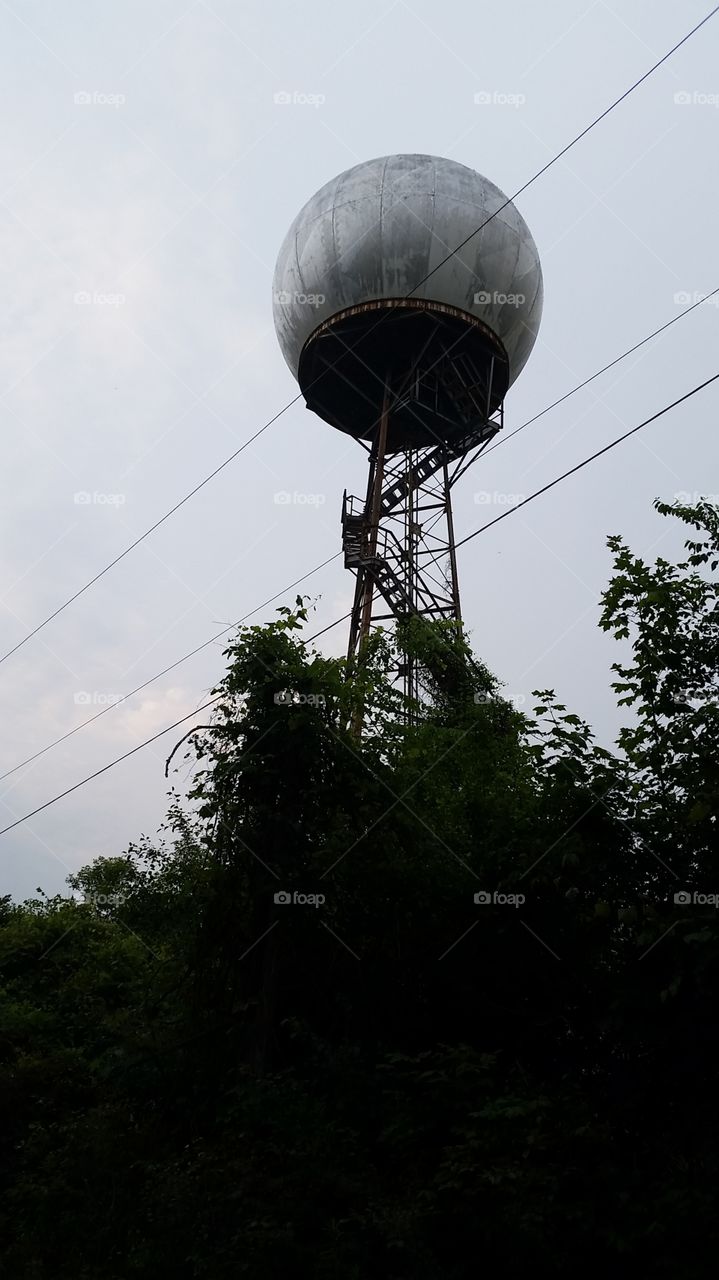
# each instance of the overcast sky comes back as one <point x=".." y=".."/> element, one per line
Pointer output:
<point x="149" y="175"/>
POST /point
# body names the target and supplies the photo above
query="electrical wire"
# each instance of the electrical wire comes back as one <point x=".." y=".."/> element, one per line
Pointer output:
<point x="569" y="145"/>
<point x="605" y="369"/>
<point x="311" y="572"/>
<point x="133" y="750"/>
<point x="166" y="670"/>
<point x="81" y="591"/>
<point x="141" y="538"/>
<point x="592" y="457"/>
<point x="667" y="408"/>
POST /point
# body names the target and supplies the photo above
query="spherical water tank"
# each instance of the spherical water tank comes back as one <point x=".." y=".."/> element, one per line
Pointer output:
<point x="358" y="304"/>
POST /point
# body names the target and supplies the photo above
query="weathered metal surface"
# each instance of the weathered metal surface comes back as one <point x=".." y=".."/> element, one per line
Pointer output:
<point x="374" y="232"/>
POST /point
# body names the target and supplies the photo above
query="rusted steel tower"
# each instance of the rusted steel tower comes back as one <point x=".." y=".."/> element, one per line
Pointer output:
<point x="405" y="325"/>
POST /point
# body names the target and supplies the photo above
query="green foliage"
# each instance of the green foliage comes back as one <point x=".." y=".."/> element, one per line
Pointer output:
<point x="200" y="1081"/>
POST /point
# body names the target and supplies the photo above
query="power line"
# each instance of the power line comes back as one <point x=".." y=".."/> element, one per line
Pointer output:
<point x="605" y="369"/>
<point x="612" y="444"/>
<point x="104" y="769"/>
<point x="571" y="144"/>
<point x="482" y="529"/>
<point x="81" y="591"/>
<point x="336" y="623"/>
<point x="311" y="572"/>
<point x="205" y="644"/>
<point x="133" y="751"/>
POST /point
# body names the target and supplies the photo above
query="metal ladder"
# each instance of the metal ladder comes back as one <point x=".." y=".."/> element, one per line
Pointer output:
<point x="469" y="397"/>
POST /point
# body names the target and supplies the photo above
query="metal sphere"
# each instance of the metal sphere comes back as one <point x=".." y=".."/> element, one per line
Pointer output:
<point x="375" y="231"/>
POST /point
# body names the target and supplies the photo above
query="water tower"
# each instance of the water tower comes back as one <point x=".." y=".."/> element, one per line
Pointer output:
<point x="404" y="326"/>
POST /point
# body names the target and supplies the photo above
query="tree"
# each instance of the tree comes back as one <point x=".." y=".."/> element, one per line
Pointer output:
<point x="384" y="1075"/>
